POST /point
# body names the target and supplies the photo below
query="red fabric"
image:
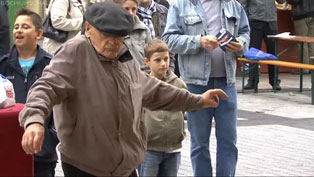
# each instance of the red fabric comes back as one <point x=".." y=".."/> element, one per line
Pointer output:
<point x="13" y="160"/>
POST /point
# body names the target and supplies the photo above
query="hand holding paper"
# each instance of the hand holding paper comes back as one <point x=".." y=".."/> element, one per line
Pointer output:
<point x="234" y="46"/>
<point x="209" y="42"/>
<point x="224" y="38"/>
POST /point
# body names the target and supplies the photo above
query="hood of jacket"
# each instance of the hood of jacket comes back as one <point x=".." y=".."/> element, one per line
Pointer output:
<point x="170" y="77"/>
<point x="138" y="24"/>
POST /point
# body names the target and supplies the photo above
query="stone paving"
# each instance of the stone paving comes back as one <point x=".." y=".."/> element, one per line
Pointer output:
<point x="275" y="132"/>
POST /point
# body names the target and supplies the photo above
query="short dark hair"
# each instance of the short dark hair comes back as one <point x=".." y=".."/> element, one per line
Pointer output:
<point x="153" y="46"/>
<point x="37" y="21"/>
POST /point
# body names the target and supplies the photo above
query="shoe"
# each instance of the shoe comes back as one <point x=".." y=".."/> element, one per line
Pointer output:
<point x="249" y="85"/>
<point x="277" y="86"/>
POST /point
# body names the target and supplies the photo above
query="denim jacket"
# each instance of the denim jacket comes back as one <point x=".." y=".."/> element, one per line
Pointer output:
<point x="186" y="24"/>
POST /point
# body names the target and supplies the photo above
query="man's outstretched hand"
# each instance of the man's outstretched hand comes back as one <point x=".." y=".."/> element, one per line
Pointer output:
<point x="211" y="97"/>
<point x="33" y="138"/>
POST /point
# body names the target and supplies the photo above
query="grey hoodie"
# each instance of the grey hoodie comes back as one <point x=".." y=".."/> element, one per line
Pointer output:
<point x="165" y="129"/>
<point x="136" y="40"/>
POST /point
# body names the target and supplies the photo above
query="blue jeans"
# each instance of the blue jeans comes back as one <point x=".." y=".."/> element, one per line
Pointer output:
<point x="200" y="124"/>
<point x="160" y="164"/>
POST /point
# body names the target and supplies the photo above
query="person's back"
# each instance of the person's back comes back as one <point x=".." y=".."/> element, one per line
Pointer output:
<point x="262" y="16"/>
<point x="23" y="66"/>
<point x="66" y="15"/>
<point x="165" y="129"/>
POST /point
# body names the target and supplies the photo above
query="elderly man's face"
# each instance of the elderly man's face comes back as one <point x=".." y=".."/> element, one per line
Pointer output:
<point x="107" y="46"/>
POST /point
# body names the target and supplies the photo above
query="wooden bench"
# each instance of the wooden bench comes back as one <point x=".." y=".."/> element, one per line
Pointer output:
<point x="277" y="63"/>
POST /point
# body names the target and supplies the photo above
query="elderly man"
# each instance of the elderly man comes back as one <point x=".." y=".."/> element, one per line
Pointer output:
<point x="97" y="93"/>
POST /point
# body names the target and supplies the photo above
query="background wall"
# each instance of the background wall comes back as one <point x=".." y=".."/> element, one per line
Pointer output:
<point x="13" y="6"/>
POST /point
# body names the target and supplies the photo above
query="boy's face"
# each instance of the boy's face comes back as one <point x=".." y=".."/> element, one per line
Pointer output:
<point x="24" y="32"/>
<point x="159" y="64"/>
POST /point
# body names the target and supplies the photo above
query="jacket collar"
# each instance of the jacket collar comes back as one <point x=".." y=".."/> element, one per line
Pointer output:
<point x="138" y="24"/>
<point x="14" y="55"/>
<point x="195" y="1"/>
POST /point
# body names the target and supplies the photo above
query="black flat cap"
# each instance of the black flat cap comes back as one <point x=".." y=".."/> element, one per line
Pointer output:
<point x="110" y="19"/>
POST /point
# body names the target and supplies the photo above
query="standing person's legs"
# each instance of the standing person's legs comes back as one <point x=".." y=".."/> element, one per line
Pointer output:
<point x="310" y="23"/>
<point x="256" y="36"/>
<point x="150" y="164"/>
<point x="271" y="29"/>
<point x="170" y="164"/>
<point x="46" y="169"/>
<point x="199" y="125"/>
<point x="133" y="174"/>
<point x="302" y="29"/>
<point x="72" y="171"/>
<point x="226" y="130"/>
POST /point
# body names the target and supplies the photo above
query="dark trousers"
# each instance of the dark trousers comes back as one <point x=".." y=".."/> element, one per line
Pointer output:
<point x="46" y="169"/>
<point x="259" y="32"/>
<point x="72" y="171"/>
<point x="4" y="40"/>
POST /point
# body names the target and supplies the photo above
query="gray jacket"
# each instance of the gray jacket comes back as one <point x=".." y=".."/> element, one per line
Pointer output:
<point x="261" y="10"/>
<point x="136" y="41"/>
<point x="302" y="8"/>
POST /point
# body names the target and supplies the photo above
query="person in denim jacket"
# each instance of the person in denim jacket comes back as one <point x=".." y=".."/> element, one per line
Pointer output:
<point x="190" y="32"/>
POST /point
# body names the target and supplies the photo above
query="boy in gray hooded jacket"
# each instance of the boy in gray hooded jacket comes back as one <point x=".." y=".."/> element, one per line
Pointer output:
<point x="165" y="129"/>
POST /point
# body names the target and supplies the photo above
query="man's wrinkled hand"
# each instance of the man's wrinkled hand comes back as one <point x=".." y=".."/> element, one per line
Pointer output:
<point x="33" y="138"/>
<point x="212" y="97"/>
